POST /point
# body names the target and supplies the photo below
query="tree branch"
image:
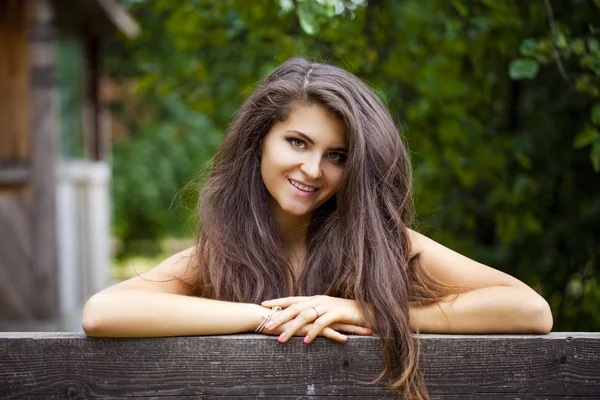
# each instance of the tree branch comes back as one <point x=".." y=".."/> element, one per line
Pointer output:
<point x="561" y="67"/>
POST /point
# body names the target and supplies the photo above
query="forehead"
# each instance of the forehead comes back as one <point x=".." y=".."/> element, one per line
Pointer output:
<point x="315" y="121"/>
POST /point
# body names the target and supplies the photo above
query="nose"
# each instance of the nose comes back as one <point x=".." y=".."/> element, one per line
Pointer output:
<point x="312" y="168"/>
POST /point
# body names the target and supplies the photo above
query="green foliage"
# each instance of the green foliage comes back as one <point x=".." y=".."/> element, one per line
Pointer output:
<point x="523" y="68"/>
<point x="501" y="141"/>
<point x="582" y="49"/>
<point x="153" y="189"/>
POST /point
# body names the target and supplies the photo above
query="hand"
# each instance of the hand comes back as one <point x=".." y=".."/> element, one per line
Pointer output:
<point x="331" y="332"/>
<point x="316" y="315"/>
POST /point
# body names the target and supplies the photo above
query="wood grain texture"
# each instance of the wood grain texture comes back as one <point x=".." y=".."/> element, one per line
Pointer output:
<point x="56" y="366"/>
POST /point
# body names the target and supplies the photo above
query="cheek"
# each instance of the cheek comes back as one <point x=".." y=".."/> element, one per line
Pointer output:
<point x="271" y="169"/>
<point x="271" y="166"/>
<point x="336" y="176"/>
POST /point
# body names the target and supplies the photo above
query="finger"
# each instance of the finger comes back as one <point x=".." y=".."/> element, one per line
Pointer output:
<point x="333" y="334"/>
<point x="284" y="301"/>
<point x="319" y="325"/>
<point x="290" y="313"/>
<point x="354" y="329"/>
<point x="282" y="317"/>
<point x="305" y="317"/>
<point x="328" y="332"/>
<point x="278" y="331"/>
<point x="328" y="320"/>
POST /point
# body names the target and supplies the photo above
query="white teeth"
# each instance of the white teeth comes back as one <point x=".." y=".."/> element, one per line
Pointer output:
<point x="302" y="187"/>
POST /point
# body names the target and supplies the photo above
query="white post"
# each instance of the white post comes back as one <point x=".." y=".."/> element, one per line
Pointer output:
<point x="83" y="198"/>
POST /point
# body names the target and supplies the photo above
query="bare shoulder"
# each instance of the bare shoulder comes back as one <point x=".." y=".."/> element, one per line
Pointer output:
<point x="177" y="274"/>
<point x="453" y="268"/>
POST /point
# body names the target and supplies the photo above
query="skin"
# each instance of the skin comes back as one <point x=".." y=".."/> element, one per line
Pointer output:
<point x="308" y="148"/>
<point x="162" y="301"/>
<point x="292" y="157"/>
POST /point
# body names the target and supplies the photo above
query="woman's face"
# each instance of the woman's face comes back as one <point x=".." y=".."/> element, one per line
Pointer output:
<point x="303" y="158"/>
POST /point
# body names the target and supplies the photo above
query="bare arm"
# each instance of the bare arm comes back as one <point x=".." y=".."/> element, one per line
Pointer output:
<point x="499" y="302"/>
<point x="159" y="304"/>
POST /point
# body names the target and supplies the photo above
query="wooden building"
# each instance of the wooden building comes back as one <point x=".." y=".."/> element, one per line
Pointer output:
<point x="54" y="142"/>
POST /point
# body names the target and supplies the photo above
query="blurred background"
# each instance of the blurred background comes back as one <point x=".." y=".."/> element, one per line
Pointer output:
<point x="110" y="109"/>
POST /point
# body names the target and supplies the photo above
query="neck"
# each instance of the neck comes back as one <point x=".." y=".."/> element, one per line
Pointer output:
<point x="294" y="228"/>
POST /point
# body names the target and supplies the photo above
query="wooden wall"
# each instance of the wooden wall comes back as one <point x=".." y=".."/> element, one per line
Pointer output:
<point x="28" y="259"/>
<point x="14" y="81"/>
<point x="15" y="156"/>
<point x="29" y="138"/>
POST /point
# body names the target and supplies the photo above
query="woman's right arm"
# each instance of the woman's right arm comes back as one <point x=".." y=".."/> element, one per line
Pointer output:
<point x="161" y="302"/>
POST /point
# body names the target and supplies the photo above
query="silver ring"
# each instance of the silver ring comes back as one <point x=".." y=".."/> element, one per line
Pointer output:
<point x="315" y="308"/>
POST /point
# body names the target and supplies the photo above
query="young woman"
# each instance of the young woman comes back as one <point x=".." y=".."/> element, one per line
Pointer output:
<point x="304" y="231"/>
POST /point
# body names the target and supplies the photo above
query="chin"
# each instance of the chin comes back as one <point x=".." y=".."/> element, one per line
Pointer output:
<point x="298" y="212"/>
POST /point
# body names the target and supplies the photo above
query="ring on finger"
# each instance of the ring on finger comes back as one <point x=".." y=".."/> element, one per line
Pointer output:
<point x="315" y="308"/>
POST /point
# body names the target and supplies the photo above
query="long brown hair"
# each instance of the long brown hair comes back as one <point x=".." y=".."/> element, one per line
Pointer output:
<point x="357" y="242"/>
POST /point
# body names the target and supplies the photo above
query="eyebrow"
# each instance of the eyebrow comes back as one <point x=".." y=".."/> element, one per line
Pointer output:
<point x="309" y="140"/>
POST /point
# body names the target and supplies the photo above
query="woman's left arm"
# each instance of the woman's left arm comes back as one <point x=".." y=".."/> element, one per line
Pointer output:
<point x="498" y="303"/>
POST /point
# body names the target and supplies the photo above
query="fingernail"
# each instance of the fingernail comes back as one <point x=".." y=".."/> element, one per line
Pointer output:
<point x="281" y="337"/>
<point x="368" y="329"/>
<point x="306" y="339"/>
<point x="265" y="302"/>
<point x="344" y="337"/>
<point x="269" y="325"/>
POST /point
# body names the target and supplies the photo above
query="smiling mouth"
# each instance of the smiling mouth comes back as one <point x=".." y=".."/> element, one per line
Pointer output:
<point x="302" y="187"/>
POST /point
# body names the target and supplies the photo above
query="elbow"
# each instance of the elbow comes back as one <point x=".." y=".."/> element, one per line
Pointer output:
<point x="90" y="319"/>
<point x="541" y="317"/>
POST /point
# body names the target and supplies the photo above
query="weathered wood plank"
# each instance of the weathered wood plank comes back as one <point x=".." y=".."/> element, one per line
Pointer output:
<point x="44" y="268"/>
<point x="485" y="396"/>
<point x="15" y="255"/>
<point x="559" y="365"/>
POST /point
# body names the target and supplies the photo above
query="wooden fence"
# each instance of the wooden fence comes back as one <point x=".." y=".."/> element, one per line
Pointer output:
<point x="70" y="365"/>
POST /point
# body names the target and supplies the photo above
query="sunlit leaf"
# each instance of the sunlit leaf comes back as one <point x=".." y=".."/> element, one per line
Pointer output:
<point x="585" y="137"/>
<point x="523" y="68"/>
<point x="306" y="18"/>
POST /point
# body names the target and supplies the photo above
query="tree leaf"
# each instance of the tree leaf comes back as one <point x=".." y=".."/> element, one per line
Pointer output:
<point x="523" y="68"/>
<point x="528" y="47"/>
<point x="594" y="46"/>
<point x="578" y="46"/>
<point x="585" y="137"/>
<point x="307" y="19"/>
<point x="561" y="41"/>
<point x="460" y="8"/>
<point x="595" y="156"/>
<point x="596" y="114"/>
